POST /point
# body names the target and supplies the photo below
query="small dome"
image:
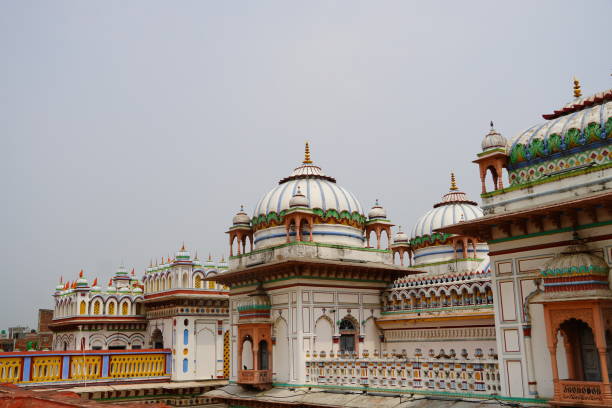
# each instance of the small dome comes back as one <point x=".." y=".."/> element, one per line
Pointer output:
<point x="111" y="288"/>
<point x="121" y="271"/>
<point x="493" y="140"/>
<point x="137" y="289"/>
<point x="298" y="199"/>
<point x="454" y="207"/>
<point x="576" y="268"/>
<point x="181" y="255"/>
<point x="400" y="237"/>
<point x="124" y="289"/>
<point x="377" y="212"/>
<point x="241" y="218"/>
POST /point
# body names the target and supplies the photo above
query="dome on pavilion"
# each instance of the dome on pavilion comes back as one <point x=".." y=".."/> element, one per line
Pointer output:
<point x="339" y="215"/>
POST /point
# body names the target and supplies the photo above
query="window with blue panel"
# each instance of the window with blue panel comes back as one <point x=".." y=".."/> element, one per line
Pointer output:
<point x="185" y="337"/>
<point x="185" y="365"/>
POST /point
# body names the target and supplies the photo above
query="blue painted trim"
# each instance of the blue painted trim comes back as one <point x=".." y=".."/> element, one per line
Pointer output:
<point x="65" y="367"/>
<point x="341" y="234"/>
<point x="168" y="364"/>
<point x="79" y="353"/>
<point x="105" y="365"/>
<point x="27" y="368"/>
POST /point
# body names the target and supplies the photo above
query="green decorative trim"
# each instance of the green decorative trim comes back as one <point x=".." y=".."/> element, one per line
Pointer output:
<point x="555" y="231"/>
<point x="278" y="218"/>
<point x="555" y="143"/>
<point x="576" y="270"/>
<point x="545" y="180"/>
<point x="415" y="391"/>
<point x="448" y="262"/>
<point x="438" y="309"/>
<point x="498" y="149"/>
<point x="254" y="307"/>
<point x="426" y="240"/>
<point x="319" y="244"/>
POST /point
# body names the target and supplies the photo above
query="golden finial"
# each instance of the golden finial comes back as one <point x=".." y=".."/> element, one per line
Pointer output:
<point x="577" y="91"/>
<point x="307" y="155"/>
<point x="453" y="186"/>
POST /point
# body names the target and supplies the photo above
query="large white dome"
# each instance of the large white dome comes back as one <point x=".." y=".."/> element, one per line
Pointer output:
<point x="339" y="217"/>
<point x="320" y="193"/>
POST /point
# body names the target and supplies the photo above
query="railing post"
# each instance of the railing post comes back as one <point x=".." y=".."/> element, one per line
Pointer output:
<point x="27" y="369"/>
<point x="105" y="365"/>
<point x="65" y="367"/>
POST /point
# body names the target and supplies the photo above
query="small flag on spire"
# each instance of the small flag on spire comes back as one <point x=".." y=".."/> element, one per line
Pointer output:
<point x="95" y="282"/>
<point x="81" y="274"/>
<point x="133" y="272"/>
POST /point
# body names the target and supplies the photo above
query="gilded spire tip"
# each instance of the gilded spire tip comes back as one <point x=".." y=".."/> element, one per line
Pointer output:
<point x="307" y="155"/>
<point x="453" y="186"/>
<point x="577" y="90"/>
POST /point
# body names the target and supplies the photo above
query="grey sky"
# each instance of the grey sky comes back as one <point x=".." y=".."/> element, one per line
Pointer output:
<point x="127" y="127"/>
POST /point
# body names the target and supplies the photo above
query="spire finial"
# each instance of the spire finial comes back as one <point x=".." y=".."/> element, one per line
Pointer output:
<point x="182" y="249"/>
<point x="491" y="125"/>
<point x="453" y="186"/>
<point x="376" y="203"/>
<point x="81" y="274"/>
<point x="307" y="155"/>
<point x="196" y="256"/>
<point x="577" y="90"/>
<point x="241" y="208"/>
<point x="209" y="257"/>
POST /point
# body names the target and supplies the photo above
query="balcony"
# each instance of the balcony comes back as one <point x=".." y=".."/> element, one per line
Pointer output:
<point x="258" y="378"/>
<point x="92" y="366"/>
<point x="581" y="393"/>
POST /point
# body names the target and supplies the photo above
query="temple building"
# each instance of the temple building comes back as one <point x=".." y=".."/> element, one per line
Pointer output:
<point x="178" y="305"/>
<point x="548" y="228"/>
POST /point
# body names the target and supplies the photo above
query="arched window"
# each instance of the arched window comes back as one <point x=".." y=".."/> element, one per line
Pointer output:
<point x="211" y="284"/>
<point x="157" y="339"/>
<point x="263" y="355"/>
<point x="83" y="308"/>
<point x="347" y="335"/>
<point x="198" y="282"/>
<point x="124" y="308"/>
<point x="96" y="310"/>
<point x="111" y="308"/>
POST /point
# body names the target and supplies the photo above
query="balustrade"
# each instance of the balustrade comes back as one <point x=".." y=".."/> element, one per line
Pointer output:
<point x="42" y="367"/>
<point x="475" y="376"/>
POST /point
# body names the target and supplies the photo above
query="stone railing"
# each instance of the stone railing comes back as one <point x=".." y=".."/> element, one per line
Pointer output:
<point x="254" y="376"/>
<point x="45" y="367"/>
<point x="451" y="375"/>
<point x="581" y="392"/>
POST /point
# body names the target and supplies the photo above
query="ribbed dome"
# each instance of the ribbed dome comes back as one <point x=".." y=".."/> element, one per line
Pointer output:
<point x="320" y="191"/>
<point x="585" y="122"/>
<point x="493" y="140"/>
<point x="454" y="207"/>
<point x="338" y="215"/>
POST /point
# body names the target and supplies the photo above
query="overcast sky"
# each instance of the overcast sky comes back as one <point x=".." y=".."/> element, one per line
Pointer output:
<point x="128" y="127"/>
